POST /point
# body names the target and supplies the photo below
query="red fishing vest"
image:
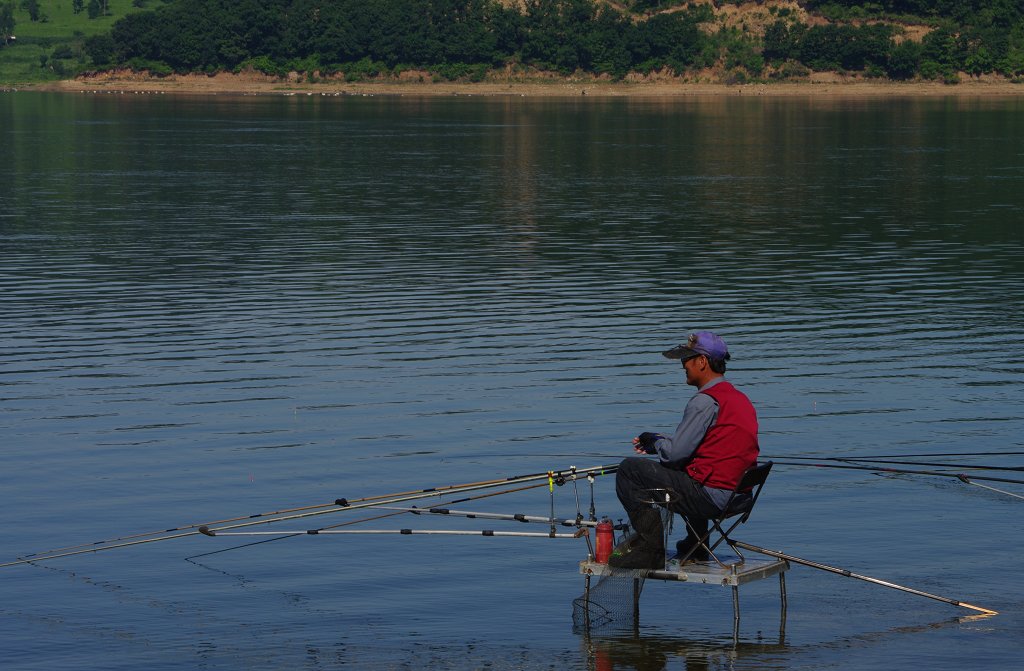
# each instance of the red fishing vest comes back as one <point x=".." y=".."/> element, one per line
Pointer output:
<point x="730" y="445"/>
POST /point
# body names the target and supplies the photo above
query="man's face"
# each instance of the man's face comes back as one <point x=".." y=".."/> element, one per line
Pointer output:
<point x="692" y="367"/>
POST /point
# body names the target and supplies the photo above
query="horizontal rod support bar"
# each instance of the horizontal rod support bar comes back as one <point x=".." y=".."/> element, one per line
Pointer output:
<point x="401" y="532"/>
<point x="517" y="517"/>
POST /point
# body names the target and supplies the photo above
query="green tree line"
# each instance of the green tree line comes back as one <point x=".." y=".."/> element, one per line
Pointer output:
<point x="562" y="35"/>
<point x="7" y="22"/>
<point x="973" y="36"/>
<point x="467" y="37"/>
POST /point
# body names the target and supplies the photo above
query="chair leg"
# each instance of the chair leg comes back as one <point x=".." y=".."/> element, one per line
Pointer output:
<point x="732" y="545"/>
<point x="718" y="561"/>
<point x="724" y="537"/>
<point x="710" y="549"/>
<point x="700" y="543"/>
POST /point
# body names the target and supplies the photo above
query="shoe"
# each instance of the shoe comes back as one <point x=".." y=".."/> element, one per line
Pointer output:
<point x="689" y="543"/>
<point x="640" y="557"/>
<point x="648" y="548"/>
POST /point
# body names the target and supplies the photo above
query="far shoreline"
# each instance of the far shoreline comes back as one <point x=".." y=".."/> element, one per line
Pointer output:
<point x="818" y="85"/>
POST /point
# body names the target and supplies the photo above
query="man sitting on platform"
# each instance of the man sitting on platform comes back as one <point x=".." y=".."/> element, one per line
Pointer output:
<point x="700" y="465"/>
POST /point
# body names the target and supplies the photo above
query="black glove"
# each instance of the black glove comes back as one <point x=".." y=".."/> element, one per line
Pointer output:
<point x="647" y="441"/>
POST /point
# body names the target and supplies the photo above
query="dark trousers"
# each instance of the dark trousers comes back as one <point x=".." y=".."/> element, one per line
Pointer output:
<point x="638" y="476"/>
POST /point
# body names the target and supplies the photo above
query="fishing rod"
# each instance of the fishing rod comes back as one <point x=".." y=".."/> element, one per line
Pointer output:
<point x="340" y="501"/>
<point x="403" y="532"/>
<point x="993" y="489"/>
<point x="337" y="508"/>
<point x="850" y="574"/>
<point x="910" y="463"/>
<point x="399" y="511"/>
<point x="1010" y="453"/>
<point x="882" y="469"/>
<point x="549" y="477"/>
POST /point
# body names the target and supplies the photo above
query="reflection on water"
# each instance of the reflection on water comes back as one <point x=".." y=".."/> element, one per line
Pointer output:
<point x="213" y="306"/>
<point x="645" y="652"/>
<point x="658" y="653"/>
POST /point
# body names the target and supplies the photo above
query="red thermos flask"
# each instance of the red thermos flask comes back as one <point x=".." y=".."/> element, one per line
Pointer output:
<point x="605" y="541"/>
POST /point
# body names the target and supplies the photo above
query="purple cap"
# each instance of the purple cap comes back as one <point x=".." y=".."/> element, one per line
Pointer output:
<point x="701" y="342"/>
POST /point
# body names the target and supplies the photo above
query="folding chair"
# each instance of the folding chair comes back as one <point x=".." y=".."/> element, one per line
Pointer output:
<point x="741" y="503"/>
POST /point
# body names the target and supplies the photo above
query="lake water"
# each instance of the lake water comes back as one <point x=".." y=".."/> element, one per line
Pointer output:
<point x="213" y="307"/>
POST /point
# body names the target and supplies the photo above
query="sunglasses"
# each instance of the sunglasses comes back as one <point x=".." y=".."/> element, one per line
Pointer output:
<point x="689" y="358"/>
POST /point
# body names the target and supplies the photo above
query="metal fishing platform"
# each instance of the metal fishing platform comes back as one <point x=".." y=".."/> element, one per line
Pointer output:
<point x="728" y="571"/>
<point x="732" y="573"/>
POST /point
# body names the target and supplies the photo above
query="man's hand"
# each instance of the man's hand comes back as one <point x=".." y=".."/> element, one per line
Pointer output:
<point x="644" y="443"/>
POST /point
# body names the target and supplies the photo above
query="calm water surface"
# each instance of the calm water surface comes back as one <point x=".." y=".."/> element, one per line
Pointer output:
<point x="214" y="307"/>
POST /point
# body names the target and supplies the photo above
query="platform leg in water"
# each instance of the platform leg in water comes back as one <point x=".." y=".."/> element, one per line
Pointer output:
<point x="636" y="603"/>
<point x="782" y="597"/>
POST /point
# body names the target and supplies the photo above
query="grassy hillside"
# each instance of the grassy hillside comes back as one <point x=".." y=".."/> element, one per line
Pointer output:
<point x="705" y="40"/>
<point x="51" y="48"/>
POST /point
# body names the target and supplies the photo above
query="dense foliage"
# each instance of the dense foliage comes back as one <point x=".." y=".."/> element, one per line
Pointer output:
<point x="6" y="22"/>
<point x="973" y="36"/>
<point x="563" y="35"/>
<point x="465" y="38"/>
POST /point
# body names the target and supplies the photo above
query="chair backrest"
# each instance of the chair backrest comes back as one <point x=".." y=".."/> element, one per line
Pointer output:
<point x="740" y="503"/>
<point x="754" y="477"/>
<point x="750" y="484"/>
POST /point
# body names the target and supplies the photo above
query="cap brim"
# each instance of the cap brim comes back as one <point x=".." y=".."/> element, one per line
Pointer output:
<point x="679" y="352"/>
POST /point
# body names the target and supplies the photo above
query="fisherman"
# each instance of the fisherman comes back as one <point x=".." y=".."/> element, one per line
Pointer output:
<point x="698" y="466"/>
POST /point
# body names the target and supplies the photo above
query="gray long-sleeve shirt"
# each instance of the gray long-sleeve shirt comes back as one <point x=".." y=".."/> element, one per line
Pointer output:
<point x="699" y="415"/>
